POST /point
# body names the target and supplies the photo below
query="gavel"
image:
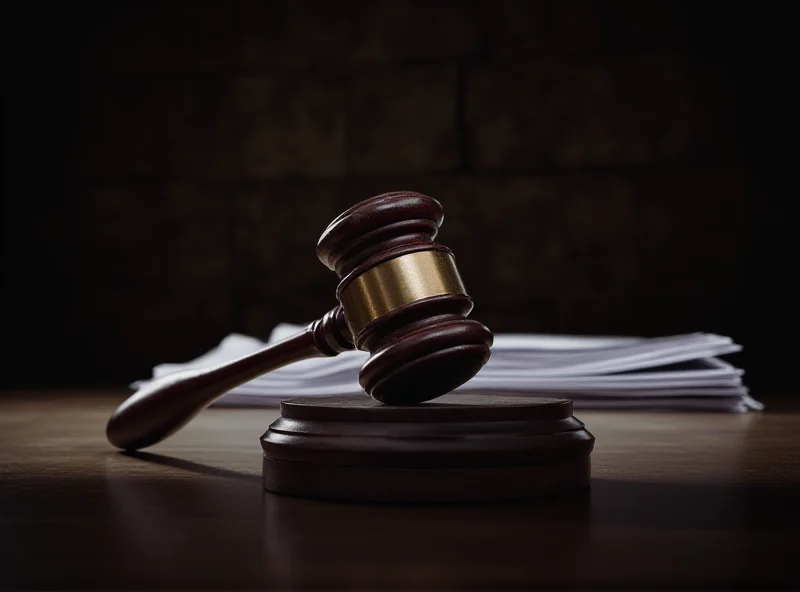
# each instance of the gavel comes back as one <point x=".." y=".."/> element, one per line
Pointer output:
<point x="400" y="297"/>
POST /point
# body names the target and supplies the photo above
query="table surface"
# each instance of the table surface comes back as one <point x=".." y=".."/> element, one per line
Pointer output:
<point x="677" y="500"/>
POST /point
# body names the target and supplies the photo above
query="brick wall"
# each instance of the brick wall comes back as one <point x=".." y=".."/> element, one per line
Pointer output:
<point x="595" y="161"/>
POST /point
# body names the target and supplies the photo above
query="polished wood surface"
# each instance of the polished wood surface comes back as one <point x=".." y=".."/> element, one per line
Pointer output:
<point x="678" y="500"/>
<point x="426" y="346"/>
<point x="459" y="447"/>
<point x="166" y="404"/>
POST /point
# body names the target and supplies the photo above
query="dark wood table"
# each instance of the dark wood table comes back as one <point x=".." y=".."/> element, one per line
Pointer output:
<point x="678" y="500"/>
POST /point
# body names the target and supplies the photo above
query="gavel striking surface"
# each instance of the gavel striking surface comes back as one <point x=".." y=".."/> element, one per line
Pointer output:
<point x="459" y="447"/>
<point x="413" y="319"/>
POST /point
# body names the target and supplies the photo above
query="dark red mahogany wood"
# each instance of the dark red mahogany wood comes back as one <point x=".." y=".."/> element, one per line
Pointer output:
<point x="461" y="447"/>
<point x="420" y="351"/>
<point x="162" y="407"/>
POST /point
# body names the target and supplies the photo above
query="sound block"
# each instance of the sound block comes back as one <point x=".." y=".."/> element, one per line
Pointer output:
<point x="459" y="447"/>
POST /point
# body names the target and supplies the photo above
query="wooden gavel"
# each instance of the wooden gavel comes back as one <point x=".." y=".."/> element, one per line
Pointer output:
<point x="400" y="298"/>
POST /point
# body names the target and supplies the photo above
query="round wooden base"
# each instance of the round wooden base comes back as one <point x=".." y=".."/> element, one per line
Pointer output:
<point x="459" y="447"/>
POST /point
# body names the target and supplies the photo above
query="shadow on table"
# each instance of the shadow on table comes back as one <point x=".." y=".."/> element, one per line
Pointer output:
<point x="608" y="502"/>
<point x="191" y="466"/>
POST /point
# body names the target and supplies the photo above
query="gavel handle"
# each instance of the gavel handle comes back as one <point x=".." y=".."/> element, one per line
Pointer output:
<point x="166" y="404"/>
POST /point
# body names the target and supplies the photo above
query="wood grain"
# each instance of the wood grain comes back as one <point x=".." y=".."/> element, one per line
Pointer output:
<point x="678" y="500"/>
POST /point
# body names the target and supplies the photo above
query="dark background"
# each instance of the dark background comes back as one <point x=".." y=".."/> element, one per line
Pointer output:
<point x="605" y="168"/>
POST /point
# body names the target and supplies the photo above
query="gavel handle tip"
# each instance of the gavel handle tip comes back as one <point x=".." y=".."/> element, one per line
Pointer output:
<point x="163" y="406"/>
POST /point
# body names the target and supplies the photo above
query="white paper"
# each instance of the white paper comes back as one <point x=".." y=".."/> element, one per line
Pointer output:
<point x="613" y="372"/>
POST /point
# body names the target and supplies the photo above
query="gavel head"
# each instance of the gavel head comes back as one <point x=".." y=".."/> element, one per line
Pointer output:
<point x="403" y="299"/>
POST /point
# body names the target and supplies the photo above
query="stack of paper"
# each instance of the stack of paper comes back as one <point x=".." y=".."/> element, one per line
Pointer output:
<point x="676" y="372"/>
